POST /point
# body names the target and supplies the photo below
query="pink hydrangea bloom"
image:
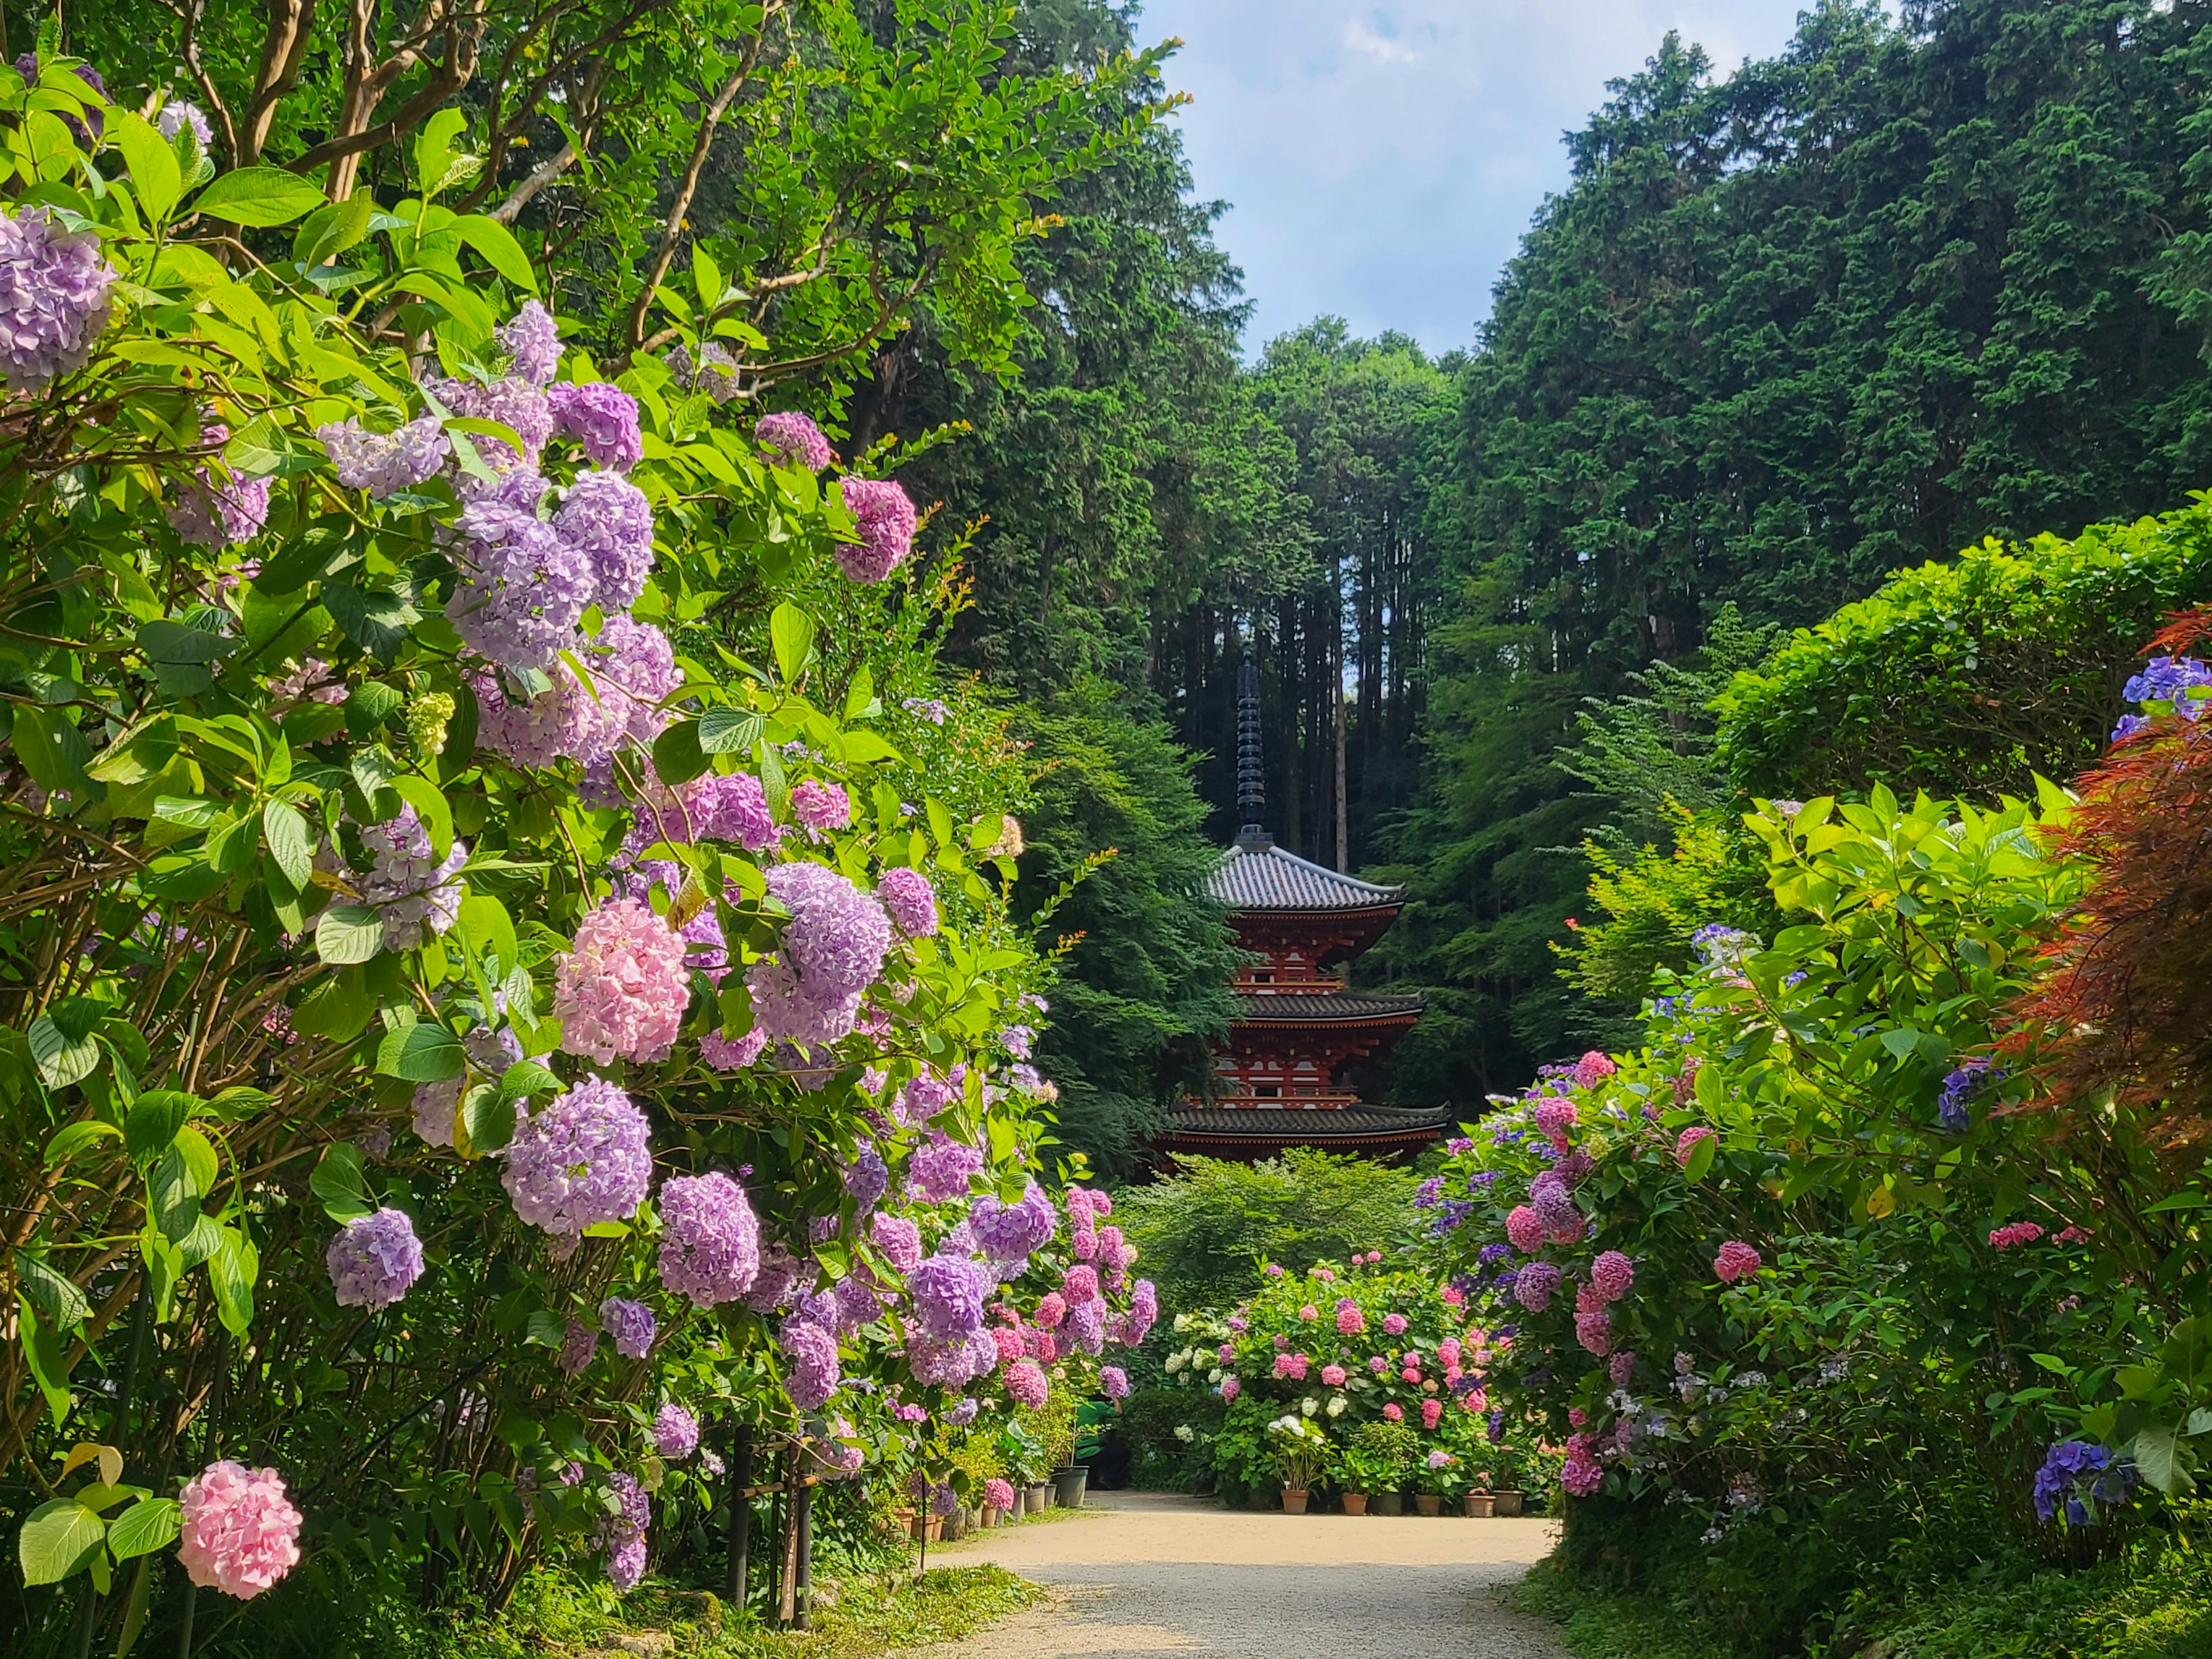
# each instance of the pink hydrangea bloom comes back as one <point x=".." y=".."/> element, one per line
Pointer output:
<point x="1526" y="1229"/>
<point x="1112" y="1382"/>
<point x="1595" y="1331"/>
<point x="1611" y="1274"/>
<point x="1453" y="1296"/>
<point x="1686" y="1144"/>
<point x="1293" y="1365"/>
<point x="1736" y="1260"/>
<point x="1333" y="1375"/>
<point x="793" y="439"/>
<point x="1350" y="1321"/>
<point x="1579" y="1477"/>
<point x="1230" y="1388"/>
<point x="1394" y="1323"/>
<point x="821" y="806"/>
<point x="1025" y="1382"/>
<point x="1621" y="1367"/>
<point x="906" y="894"/>
<point x="240" y="1534"/>
<point x="900" y="1240"/>
<point x="1592" y="1069"/>
<point x="998" y="1494"/>
<point x="884" y="516"/>
<point x="1309" y="1312"/>
<point x="1080" y="1284"/>
<point x="621" y="992"/>
<point x="1011" y="1345"/>
<point x="2004" y="1238"/>
<point x="1432" y="1412"/>
<point x="1395" y="1412"/>
<point x="1555" y="1115"/>
<point x="1051" y="1309"/>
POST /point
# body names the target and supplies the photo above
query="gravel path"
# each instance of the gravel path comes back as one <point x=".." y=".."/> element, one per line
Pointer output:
<point x="1146" y="1573"/>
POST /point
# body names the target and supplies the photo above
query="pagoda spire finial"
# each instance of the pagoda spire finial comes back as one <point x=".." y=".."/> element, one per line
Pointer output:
<point x="1251" y="783"/>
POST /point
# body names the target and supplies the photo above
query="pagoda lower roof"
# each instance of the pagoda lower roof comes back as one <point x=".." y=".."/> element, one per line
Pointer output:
<point x="1329" y="1007"/>
<point x="1256" y="875"/>
<point x="1198" y="1127"/>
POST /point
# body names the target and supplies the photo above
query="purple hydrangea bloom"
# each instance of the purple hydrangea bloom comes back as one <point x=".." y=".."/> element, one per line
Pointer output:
<point x="2076" y="1475"/>
<point x="563" y="721"/>
<point x="624" y="1534"/>
<point x="867" y="1177"/>
<point x="633" y="668"/>
<point x="178" y="113"/>
<point x="810" y="1358"/>
<point x="832" y="949"/>
<point x="781" y="1273"/>
<point x="601" y="417"/>
<point x="716" y="373"/>
<point x="630" y="1323"/>
<point x="900" y="1240"/>
<point x="947" y="1293"/>
<point x="1011" y="1234"/>
<point x="514" y="404"/>
<point x="675" y="1433"/>
<point x="1086" y="1325"/>
<point x="374" y="1259"/>
<point x="883" y="513"/>
<point x="710" y="1242"/>
<point x="531" y="340"/>
<point x="794" y="439"/>
<point x="736" y="810"/>
<point x="962" y="1413"/>
<point x="435" y="1104"/>
<point x="1960" y="1088"/>
<point x="907" y="895"/>
<point x="938" y="1171"/>
<point x="731" y="1055"/>
<point x="821" y="806"/>
<point x="417" y="895"/>
<point x="385" y="463"/>
<point x="577" y="1347"/>
<point x="54" y="298"/>
<point x="1538" y="1283"/>
<point x="609" y="518"/>
<point x="585" y="1158"/>
<point x="523" y="588"/>
<point x="857" y="1303"/>
<point x="212" y="511"/>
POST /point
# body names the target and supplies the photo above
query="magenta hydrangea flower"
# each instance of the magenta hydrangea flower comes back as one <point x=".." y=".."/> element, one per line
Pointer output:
<point x="523" y="587"/>
<point x="1595" y="1331"/>
<point x="1535" y="1286"/>
<point x="1736" y="1260"/>
<point x="1526" y="1229"/>
<point x="531" y="340"/>
<point x="385" y="462"/>
<point x="883" y="514"/>
<point x="608" y="520"/>
<point x="238" y="1532"/>
<point x="1579" y="1477"/>
<point x="907" y="895"/>
<point x="417" y="895"/>
<point x="1393" y="1323"/>
<point x="899" y="1239"/>
<point x="212" y="510"/>
<point x="1593" y="1068"/>
<point x="998" y="1494"/>
<point x="54" y="298"/>
<point x="631" y="1324"/>
<point x="947" y="1294"/>
<point x="1080" y="1285"/>
<point x="810" y="1360"/>
<point x="1611" y="1275"/>
<point x="1350" y="1321"/>
<point x="1025" y="1382"/>
<point x="601" y="417"/>
<point x="793" y="439"/>
<point x="710" y="1242"/>
<point x="374" y="1259"/>
<point x="1686" y="1144"/>
<point x="675" y="1433"/>
<point x="1554" y="1117"/>
<point x="821" y="806"/>
<point x="1394" y="1411"/>
<point x="621" y="992"/>
<point x="585" y="1158"/>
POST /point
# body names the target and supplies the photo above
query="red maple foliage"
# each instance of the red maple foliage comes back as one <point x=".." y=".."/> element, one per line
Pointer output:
<point x="2122" y="1012"/>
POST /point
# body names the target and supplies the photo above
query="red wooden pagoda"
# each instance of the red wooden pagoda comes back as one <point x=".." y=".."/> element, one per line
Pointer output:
<point x="1305" y="1048"/>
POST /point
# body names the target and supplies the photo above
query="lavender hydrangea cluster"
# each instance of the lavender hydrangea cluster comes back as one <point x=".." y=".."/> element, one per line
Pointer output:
<point x="602" y="418"/>
<point x="946" y="1293"/>
<point x="2167" y="680"/>
<point x="54" y="298"/>
<point x="714" y="373"/>
<point x="415" y="893"/>
<point x="675" y="1433"/>
<point x="781" y="1273"/>
<point x="178" y="114"/>
<point x="623" y="1534"/>
<point x="809" y="1352"/>
<point x="374" y="1259"/>
<point x="514" y="404"/>
<point x="792" y="440"/>
<point x="867" y="1177"/>
<point x="523" y="589"/>
<point x="938" y="1170"/>
<point x="385" y="462"/>
<point x="217" y="510"/>
<point x="1009" y="1233"/>
<point x="1960" y="1088"/>
<point x="585" y="1158"/>
<point x="609" y="518"/>
<point x="531" y="340"/>
<point x="883" y="514"/>
<point x="832" y="949"/>
<point x="907" y="895"/>
<point x="631" y="1324"/>
<point x="710" y="1242"/>
<point x="899" y="1238"/>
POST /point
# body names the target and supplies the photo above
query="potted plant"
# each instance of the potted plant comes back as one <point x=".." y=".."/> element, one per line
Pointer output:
<point x="1505" y="1482"/>
<point x="1302" y="1453"/>
<point x="1442" y="1476"/>
<point x="1387" y="1453"/>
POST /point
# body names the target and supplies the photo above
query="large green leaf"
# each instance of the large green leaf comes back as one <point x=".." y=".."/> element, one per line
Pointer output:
<point x="149" y="1524"/>
<point x="348" y="933"/>
<point x="153" y="1120"/>
<point x="258" y="196"/>
<point x="341" y="1182"/>
<point x="154" y="174"/>
<point x="729" y="730"/>
<point x="497" y="246"/>
<point x="421" y="1052"/>
<point x="59" y="1538"/>
<point x="791" y="630"/>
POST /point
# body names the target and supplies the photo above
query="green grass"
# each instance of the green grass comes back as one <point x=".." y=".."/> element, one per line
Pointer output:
<point x="554" y="1613"/>
<point x="2153" y="1602"/>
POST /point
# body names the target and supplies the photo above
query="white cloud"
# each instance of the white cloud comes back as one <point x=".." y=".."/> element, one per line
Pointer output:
<point x="1383" y="160"/>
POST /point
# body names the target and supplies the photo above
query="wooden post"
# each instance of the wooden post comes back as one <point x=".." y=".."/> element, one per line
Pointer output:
<point x="741" y="1516"/>
<point x="803" y="1500"/>
<point x="787" y="1606"/>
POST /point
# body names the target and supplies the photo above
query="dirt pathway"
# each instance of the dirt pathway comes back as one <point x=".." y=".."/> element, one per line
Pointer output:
<point x="1145" y="1573"/>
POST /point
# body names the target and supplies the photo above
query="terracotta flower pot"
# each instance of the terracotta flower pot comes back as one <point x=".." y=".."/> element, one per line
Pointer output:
<point x="1479" y="1505"/>
<point x="1294" y="1503"/>
<point x="1355" y="1503"/>
<point x="1505" y="1502"/>
<point x="1428" y="1503"/>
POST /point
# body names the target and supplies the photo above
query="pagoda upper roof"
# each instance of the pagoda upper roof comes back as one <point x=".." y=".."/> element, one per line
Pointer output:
<point x="1256" y="874"/>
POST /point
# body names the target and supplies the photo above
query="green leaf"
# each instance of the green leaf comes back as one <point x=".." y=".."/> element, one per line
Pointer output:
<point x="729" y="730"/>
<point x="526" y="1077"/>
<point x="59" y="1538"/>
<point x="706" y="278"/>
<point x="2157" y="1453"/>
<point x="1701" y="1160"/>
<point x="57" y="1297"/>
<point x="44" y="1353"/>
<point x="422" y="1052"/>
<point x="337" y="1008"/>
<point x="260" y="195"/>
<point x="177" y="1191"/>
<point x="151" y="1124"/>
<point x="232" y="1269"/>
<point x="289" y="843"/>
<point x="372" y="618"/>
<point x="149" y="1524"/>
<point x="487" y="1120"/>
<point x="77" y="1137"/>
<point x="347" y="933"/>
<point x="429" y="804"/>
<point x="341" y="1183"/>
<point x="860" y="694"/>
<point x="177" y="642"/>
<point x="496" y="243"/>
<point x="155" y="174"/>
<point x="791" y="632"/>
<point x="52" y="751"/>
<point x="677" y="755"/>
<point x="60" y="1060"/>
<point x="370" y="704"/>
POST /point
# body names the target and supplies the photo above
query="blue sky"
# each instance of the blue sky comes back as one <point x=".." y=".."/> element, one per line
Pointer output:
<point x="1382" y="160"/>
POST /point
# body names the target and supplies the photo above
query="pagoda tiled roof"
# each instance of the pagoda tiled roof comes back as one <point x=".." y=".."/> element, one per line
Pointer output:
<point x="1256" y="874"/>
<point x="1334" y="1006"/>
<point x="1279" y="1123"/>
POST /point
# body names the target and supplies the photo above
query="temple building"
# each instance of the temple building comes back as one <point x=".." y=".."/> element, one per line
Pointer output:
<point x="1304" y="1056"/>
